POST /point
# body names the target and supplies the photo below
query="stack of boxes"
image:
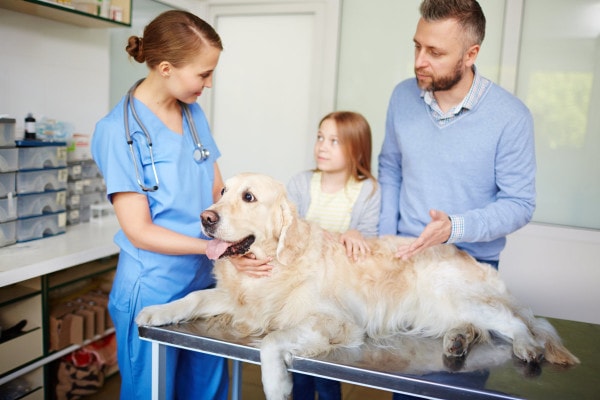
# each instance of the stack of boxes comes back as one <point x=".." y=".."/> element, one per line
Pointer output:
<point x="45" y="186"/>
<point x="8" y="167"/>
<point x="86" y="188"/>
<point x="34" y="187"/>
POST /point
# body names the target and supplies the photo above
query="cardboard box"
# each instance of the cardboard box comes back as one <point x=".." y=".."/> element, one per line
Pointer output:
<point x="89" y="321"/>
<point x="98" y="311"/>
<point x="66" y="328"/>
<point x="99" y="299"/>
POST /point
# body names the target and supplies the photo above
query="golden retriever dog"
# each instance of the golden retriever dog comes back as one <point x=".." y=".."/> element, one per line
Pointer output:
<point x="317" y="299"/>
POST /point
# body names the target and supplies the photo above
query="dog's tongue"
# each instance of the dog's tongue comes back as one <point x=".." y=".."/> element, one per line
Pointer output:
<point x="216" y="248"/>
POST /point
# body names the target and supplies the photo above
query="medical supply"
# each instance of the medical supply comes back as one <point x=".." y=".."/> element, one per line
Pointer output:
<point x="200" y="153"/>
<point x="51" y="130"/>
<point x="7" y="131"/>
<point x="30" y="127"/>
<point x="78" y="147"/>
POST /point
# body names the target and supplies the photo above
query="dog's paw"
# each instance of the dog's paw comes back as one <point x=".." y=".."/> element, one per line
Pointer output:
<point x="456" y="343"/>
<point x="155" y="316"/>
<point x="278" y="389"/>
<point x="528" y="350"/>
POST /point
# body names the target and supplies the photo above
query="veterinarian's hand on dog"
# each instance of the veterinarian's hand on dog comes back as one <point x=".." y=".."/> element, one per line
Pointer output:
<point x="355" y="243"/>
<point x="250" y="265"/>
<point x="436" y="232"/>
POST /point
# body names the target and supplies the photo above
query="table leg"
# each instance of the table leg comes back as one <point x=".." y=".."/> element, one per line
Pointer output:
<point x="159" y="361"/>
<point x="236" y="381"/>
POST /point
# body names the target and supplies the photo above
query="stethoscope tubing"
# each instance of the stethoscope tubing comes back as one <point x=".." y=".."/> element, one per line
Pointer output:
<point x="200" y="152"/>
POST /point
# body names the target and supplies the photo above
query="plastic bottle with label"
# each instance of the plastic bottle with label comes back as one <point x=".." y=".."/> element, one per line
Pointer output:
<point x="29" y="127"/>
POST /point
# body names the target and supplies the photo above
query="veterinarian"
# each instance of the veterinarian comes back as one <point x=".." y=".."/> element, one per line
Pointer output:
<point x="158" y="159"/>
<point x="457" y="163"/>
<point x="341" y="195"/>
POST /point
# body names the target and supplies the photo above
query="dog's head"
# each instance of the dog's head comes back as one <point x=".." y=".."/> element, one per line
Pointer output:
<point x="253" y="209"/>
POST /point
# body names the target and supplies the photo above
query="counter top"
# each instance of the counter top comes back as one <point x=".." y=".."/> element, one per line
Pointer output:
<point x="413" y="366"/>
<point x="80" y="243"/>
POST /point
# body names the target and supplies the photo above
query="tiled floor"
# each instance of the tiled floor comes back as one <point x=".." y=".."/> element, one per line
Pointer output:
<point x="252" y="388"/>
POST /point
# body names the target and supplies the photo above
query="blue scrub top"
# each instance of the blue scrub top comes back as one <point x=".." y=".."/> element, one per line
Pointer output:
<point x="185" y="190"/>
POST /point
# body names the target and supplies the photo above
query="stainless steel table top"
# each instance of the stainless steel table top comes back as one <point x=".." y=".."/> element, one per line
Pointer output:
<point x="410" y="365"/>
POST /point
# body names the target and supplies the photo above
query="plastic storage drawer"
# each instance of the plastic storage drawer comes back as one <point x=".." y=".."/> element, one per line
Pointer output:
<point x="39" y="227"/>
<point x="89" y="169"/>
<point x="30" y="205"/>
<point x="9" y="159"/>
<point x="8" y="233"/>
<point x="39" y="157"/>
<point x="44" y="180"/>
<point x="8" y="209"/>
<point x="7" y="184"/>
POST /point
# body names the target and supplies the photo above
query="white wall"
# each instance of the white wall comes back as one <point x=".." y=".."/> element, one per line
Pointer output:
<point x="555" y="270"/>
<point x="53" y="69"/>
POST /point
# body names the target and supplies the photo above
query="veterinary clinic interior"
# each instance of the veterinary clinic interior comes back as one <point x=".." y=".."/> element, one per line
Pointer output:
<point x="285" y="64"/>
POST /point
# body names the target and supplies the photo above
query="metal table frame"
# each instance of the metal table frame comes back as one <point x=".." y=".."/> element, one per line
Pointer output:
<point x="553" y="382"/>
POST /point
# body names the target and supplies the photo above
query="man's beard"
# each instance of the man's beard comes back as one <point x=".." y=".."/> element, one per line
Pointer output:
<point x="443" y="83"/>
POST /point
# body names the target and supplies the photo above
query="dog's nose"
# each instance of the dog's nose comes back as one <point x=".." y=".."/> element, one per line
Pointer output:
<point x="209" y="218"/>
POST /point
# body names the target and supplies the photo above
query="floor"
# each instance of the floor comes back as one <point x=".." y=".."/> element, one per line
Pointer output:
<point x="252" y="388"/>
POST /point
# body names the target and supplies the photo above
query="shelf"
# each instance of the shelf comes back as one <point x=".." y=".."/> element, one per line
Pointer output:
<point x="51" y="357"/>
<point x="86" y="271"/>
<point x="67" y="14"/>
<point x="80" y="244"/>
<point x="18" y="291"/>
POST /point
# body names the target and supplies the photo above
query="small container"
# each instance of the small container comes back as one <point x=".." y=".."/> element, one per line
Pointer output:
<point x="7" y="131"/>
<point x="29" y="127"/>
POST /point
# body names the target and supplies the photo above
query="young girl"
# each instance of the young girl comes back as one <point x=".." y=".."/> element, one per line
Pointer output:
<point x="341" y="195"/>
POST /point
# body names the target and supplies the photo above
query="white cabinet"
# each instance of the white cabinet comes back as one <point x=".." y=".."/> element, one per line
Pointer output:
<point x="37" y="276"/>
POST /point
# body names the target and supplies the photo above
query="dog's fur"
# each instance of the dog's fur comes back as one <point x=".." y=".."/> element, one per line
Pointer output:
<point x="317" y="299"/>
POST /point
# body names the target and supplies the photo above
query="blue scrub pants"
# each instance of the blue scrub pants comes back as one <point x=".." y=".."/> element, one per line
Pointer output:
<point x="190" y="375"/>
<point x="306" y="386"/>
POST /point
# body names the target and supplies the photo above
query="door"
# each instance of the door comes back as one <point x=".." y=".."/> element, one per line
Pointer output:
<point x="274" y="82"/>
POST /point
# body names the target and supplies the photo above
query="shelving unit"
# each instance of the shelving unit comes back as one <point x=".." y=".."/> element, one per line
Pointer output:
<point x="36" y="275"/>
<point x="68" y="14"/>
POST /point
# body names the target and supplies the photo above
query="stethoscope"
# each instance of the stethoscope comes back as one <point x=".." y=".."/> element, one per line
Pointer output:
<point x="200" y="153"/>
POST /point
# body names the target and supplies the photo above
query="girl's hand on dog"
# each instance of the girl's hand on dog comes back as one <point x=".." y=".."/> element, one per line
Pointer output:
<point x="356" y="245"/>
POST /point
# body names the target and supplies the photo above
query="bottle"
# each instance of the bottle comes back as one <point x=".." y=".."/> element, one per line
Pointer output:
<point x="29" y="127"/>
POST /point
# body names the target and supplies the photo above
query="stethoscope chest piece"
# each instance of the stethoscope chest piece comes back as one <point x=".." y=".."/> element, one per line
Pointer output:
<point x="200" y="154"/>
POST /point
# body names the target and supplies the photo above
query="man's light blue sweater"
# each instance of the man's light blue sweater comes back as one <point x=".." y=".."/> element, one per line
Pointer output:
<point x="479" y="168"/>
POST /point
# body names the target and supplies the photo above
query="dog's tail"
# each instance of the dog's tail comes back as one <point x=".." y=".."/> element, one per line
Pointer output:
<point x="554" y="350"/>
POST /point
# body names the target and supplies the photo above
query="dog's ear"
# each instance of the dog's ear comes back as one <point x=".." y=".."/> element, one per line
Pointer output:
<point x="289" y="244"/>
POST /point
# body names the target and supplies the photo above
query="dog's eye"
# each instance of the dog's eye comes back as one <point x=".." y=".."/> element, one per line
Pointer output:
<point x="248" y="197"/>
<point x="223" y="191"/>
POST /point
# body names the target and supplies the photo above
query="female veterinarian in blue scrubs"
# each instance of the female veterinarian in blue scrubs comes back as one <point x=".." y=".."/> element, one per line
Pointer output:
<point x="158" y="193"/>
